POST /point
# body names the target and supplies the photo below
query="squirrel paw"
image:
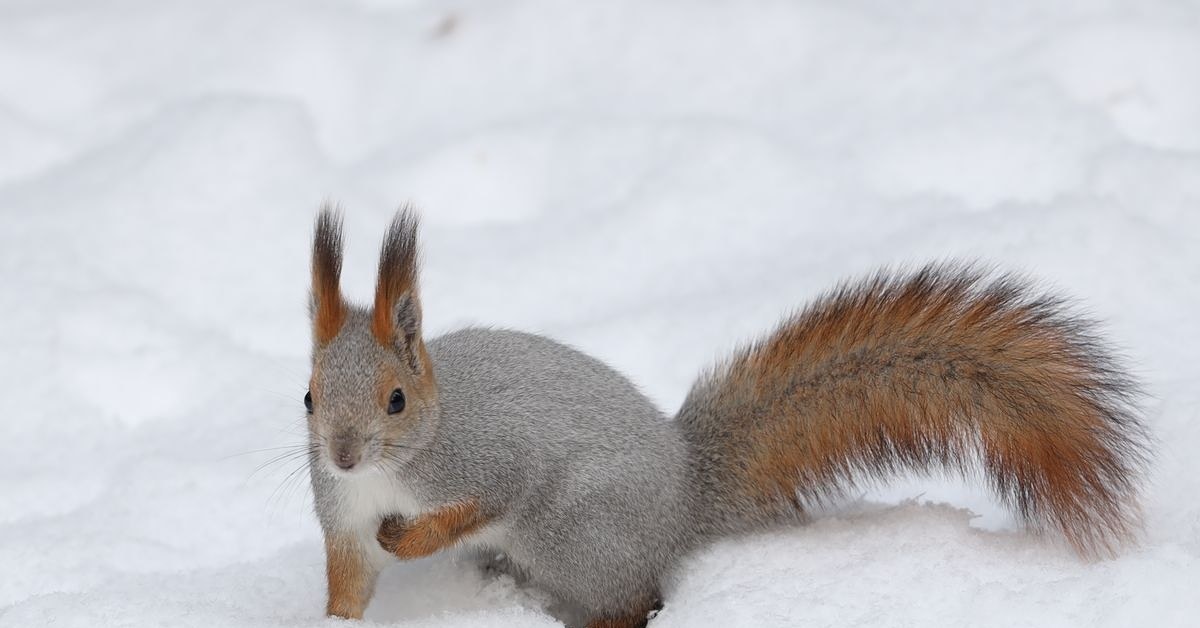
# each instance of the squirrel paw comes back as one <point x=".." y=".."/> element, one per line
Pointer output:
<point x="391" y="530"/>
<point x="430" y="532"/>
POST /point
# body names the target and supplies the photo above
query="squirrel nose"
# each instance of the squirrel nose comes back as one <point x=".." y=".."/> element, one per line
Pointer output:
<point x="345" y="461"/>
<point x="345" y="458"/>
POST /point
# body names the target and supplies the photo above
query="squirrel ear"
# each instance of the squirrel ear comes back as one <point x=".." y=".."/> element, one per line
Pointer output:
<point x="397" y="317"/>
<point x="327" y="308"/>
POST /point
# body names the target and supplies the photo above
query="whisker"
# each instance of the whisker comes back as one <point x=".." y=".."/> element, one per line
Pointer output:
<point x="290" y="453"/>
<point x="284" y="457"/>
<point x="286" y="485"/>
<point x="289" y="448"/>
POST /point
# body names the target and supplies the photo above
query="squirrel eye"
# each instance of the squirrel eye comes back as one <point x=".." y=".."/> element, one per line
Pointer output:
<point x="396" y="402"/>
<point x="308" y="401"/>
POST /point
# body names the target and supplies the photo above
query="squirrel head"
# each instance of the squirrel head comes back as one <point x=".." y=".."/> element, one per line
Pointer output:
<point x="372" y="399"/>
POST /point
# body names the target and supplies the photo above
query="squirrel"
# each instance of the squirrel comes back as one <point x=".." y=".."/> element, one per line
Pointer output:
<point x="518" y="445"/>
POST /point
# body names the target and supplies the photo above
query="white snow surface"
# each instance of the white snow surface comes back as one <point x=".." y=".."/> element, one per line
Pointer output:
<point x="653" y="181"/>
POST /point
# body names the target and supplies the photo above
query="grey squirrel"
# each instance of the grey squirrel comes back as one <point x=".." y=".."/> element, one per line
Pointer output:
<point x="514" y="443"/>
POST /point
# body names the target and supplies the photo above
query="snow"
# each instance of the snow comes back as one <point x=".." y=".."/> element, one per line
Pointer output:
<point x="652" y="181"/>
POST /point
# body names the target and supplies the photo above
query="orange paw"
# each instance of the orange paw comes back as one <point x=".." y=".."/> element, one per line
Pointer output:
<point x="392" y="534"/>
<point x="430" y="532"/>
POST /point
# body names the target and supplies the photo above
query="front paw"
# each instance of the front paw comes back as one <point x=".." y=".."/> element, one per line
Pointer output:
<point x="391" y="530"/>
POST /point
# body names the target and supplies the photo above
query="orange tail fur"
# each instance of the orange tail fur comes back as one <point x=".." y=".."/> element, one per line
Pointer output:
<point x="946" y="368"/>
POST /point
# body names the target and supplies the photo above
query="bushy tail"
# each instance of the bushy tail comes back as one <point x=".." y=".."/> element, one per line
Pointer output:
<point x="948" y="367"/>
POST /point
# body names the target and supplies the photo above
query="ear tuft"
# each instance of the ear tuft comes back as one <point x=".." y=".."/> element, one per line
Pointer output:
<point x="327" y="307"/>
<point x="397" y="317"/>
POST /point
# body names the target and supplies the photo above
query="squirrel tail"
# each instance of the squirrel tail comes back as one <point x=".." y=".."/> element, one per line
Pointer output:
<point x="948" y="367"/>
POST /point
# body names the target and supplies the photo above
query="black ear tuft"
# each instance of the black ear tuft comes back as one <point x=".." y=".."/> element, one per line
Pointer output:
<point x="397" y="316"/>
<point x="327" y="307"/>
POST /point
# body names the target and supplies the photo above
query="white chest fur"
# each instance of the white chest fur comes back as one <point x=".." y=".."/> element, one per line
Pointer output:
<point x="367" y="498"/>
<point x="364" y="499"/>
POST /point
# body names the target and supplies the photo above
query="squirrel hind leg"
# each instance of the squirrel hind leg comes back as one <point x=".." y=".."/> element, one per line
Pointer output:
<point x="637" y="617"/>
<point x="494" y="564"/>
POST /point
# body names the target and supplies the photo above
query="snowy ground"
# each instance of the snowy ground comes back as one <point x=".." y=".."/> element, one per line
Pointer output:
<point x="650" y="181"/>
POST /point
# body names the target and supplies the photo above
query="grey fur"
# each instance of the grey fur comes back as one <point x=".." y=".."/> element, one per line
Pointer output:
<point x="592" y="478"/>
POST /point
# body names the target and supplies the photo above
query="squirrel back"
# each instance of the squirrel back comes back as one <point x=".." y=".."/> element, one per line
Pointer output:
<point x="946" y="367"/>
